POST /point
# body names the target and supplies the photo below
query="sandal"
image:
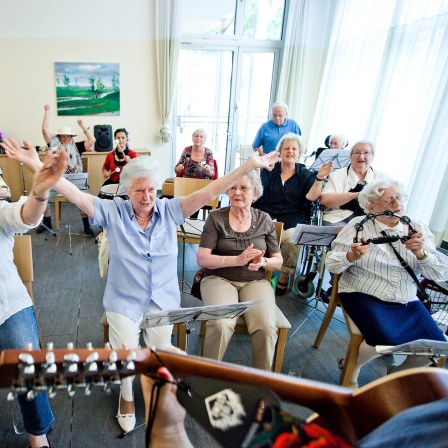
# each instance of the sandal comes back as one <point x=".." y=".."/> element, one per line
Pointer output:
<point x="281" y="291"/>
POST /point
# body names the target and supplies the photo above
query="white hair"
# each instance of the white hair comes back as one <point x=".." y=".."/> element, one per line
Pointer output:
<point x="281" y="104"/>
<point x="143" y="167"/>
<point x="371" y="192"/>
<point x="363" y="142"/>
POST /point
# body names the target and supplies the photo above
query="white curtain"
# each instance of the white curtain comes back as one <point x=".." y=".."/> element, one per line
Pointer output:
<point x="386" y="79"/>
<point x="167" y="25"/>
<point x="307" y="33"/>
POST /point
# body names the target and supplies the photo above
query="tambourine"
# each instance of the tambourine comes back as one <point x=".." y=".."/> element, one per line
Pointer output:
<point x="384" y="239"/>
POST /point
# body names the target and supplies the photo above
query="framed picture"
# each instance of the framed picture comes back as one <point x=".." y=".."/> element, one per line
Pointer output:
<point x="87" y="88"/>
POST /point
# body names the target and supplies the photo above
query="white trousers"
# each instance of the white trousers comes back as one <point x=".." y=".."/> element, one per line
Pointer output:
<point x="123" y="330"/>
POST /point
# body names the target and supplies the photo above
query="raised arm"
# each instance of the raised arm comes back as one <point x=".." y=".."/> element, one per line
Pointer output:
<point x="90" y="141"/>
<point x="29" y="158"/>
<point x="46" y="124"/>
<point x="44" y="179"/>
<point x="198" y="199"/>
<point x="316" y="189"/>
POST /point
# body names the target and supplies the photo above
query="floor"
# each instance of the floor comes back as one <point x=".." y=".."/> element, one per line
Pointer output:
<point x="68" y="299"/>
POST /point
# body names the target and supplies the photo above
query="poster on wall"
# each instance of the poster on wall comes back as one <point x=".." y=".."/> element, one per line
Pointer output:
<point x="87" y="88"/>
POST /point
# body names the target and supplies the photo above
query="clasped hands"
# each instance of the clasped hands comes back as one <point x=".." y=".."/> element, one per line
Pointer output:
<point x="252" y="258"/>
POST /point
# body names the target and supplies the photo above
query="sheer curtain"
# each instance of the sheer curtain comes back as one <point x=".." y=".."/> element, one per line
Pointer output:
<point x="167" y="25"/>
<point x="307" y="34"/>
<point x="385" y="79"/>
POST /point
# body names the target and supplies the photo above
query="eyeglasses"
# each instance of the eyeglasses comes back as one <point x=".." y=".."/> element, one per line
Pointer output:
<point x="362" y="153"/>
<point x="390" y="201"/>
<point x="243" y="189"/>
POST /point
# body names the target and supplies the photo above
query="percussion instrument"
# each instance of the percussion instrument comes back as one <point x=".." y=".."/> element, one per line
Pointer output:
<point x="111" y="191"/>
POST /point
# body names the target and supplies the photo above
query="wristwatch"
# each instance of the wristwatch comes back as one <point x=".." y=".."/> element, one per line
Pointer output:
<point x="425" y="254"/>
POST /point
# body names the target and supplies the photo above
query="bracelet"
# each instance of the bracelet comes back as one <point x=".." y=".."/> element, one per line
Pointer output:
<point x="85" y="132"/>
<point x="319" y="180"/>
<point x="265" y="261"/>
<point x="222" y="261"/>
<point x="38" y="199"/>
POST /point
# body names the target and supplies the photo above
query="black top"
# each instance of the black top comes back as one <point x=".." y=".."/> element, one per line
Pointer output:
<point x="286" y="203"/>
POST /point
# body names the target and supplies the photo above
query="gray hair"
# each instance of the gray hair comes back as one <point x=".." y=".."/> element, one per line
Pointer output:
<point x="342" y="138"/>
<point x="363" y="142"/>
<point x="280" y="104"/>
<point x="371" y="192"/>
<point x="290" y="136"/>
<point x="144" y="167"/>
<point x="254" y="177"/>
<point x="203" y="131"/>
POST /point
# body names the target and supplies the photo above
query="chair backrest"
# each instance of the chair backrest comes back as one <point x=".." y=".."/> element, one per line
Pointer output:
<point x="215" y="175"/>
<point x="23" y="259"/>
<point x="245" y="152"/>
<point x="183" y="186"/>
<point x="352" y="328"/>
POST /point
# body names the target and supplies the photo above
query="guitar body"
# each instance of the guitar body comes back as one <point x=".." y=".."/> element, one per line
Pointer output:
<point x="351" y="414"/>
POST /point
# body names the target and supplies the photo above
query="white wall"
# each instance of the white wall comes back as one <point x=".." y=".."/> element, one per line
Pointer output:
<point x="35" y="34"/>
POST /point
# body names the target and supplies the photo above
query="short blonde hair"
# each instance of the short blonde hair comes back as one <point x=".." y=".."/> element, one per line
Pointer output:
<point x="202" y="131"/>
<point x="291" y="137"/>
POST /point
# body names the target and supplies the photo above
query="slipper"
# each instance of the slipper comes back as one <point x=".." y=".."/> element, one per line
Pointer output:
<point x="281" y="291"/>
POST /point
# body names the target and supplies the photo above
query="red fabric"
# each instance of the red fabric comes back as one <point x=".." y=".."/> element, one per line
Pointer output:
<point x="109" y="164"/>
<point x="215" y="175"/>
<point x="310" y="436"/>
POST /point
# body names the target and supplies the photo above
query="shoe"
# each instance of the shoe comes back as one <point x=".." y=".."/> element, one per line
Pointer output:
<point x="324" y="297"/>
<point x="46" y="224"/>
<point x="281" y="291"/>
<point x="126" y="421"/>
<point x="390" y="368"/>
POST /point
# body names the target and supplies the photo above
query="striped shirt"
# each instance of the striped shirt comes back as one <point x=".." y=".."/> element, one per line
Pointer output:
<point x="379" y="272"/>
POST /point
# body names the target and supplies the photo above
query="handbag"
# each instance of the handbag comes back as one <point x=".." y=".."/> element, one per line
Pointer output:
<point x="103" y="253"/>
<point x="422" y="295"/>
<point x="196" y="287"/>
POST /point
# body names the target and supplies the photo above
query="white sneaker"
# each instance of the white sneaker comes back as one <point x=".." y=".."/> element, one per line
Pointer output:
<point x="126" y="421"/>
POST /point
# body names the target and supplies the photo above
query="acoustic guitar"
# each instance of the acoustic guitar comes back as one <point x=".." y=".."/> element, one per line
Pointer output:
<point x="351" y="414"/>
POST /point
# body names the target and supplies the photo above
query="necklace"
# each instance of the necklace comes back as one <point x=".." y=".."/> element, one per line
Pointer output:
<point x="143" y="219"/>
<point x="241" y="220"/>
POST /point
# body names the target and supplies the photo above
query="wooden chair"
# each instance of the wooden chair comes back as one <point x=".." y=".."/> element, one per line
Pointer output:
<point x="356" y="337"/>
<point x="282" y="323"/>
<point x="23" y="259"/>
<point x="183" y="186"/>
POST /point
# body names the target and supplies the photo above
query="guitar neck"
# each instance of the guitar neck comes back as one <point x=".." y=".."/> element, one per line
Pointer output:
<point x="350" y="414"/>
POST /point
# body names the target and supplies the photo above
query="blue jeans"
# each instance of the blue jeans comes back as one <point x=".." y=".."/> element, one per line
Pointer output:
<point x="15" y="333"/>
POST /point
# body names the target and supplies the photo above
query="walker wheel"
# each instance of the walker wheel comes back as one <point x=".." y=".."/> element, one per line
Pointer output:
<point x="304" y="288"/>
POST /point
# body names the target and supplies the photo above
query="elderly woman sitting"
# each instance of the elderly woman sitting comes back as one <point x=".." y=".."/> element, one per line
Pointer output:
<point x="289" y="190"/>
<point x="340" y="195"/>
<point x="376" y="291"/>
<point x="237" y="246"/>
